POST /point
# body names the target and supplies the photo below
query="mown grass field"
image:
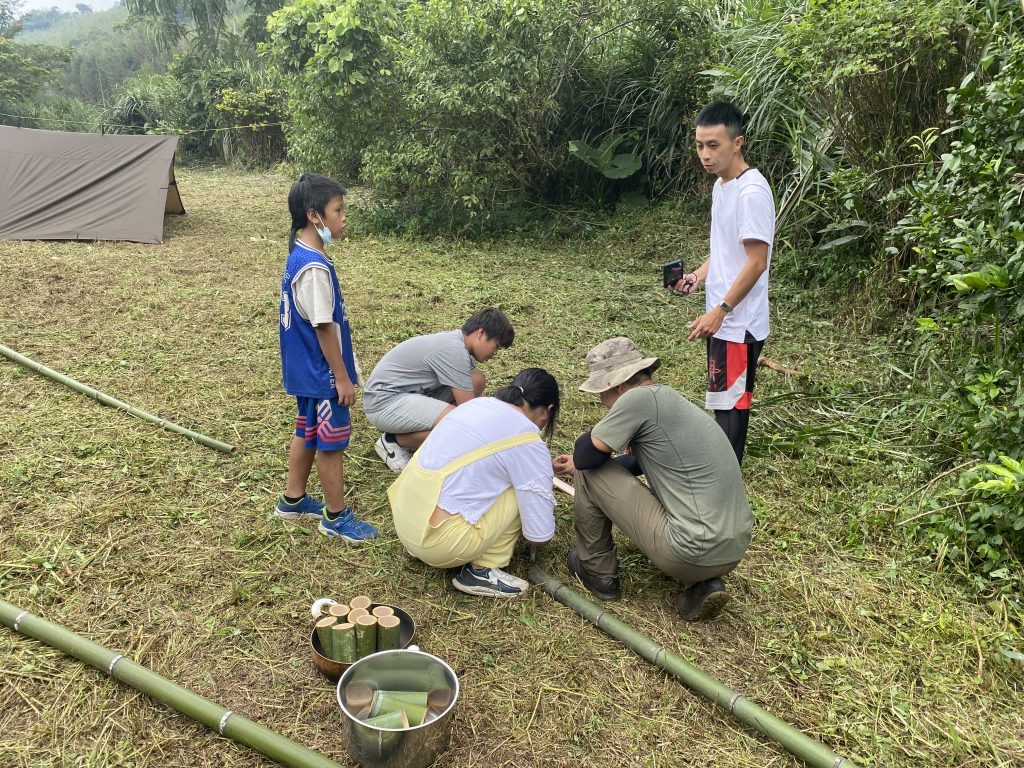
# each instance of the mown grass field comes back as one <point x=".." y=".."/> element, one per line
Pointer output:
<point x="167" y="551"/>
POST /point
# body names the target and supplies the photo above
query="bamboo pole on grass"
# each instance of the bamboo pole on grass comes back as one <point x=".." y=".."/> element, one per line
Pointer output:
<point x="212" y="715"/>
<point x="209" y="442"/>
<point x="812" y="752"/>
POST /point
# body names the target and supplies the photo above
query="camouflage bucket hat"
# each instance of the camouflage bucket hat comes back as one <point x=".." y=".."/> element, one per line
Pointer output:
<point x="613" y="362"/>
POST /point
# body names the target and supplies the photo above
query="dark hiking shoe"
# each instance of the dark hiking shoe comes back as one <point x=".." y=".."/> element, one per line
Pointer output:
<point x="704" y="600"/>
<point x="601" y="587"/>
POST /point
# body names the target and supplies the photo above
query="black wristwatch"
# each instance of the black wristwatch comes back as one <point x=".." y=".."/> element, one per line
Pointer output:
<point x="725" y="308"/>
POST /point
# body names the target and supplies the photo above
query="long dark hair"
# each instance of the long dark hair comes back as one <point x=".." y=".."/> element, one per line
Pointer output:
<point x="536" y="387"/>
<point x="312" y="190"/>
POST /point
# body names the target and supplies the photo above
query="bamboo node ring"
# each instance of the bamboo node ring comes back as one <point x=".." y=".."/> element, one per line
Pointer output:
<point x="839" y="762"/>
<point x="113" y="663"/>
<point x="17" y="621"/>
<point x="732" y="707"/>
<point x="224" y="722"/>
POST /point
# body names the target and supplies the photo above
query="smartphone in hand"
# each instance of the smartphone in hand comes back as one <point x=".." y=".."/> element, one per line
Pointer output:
<point x="671" y="273"/>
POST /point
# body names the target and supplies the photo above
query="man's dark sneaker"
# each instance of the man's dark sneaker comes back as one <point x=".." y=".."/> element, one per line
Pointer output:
<point x="601" y="587"/>
<point x="704" y="600"/>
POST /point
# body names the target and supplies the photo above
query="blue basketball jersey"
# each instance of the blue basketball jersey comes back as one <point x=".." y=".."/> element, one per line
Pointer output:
<point x="303" y="365"/>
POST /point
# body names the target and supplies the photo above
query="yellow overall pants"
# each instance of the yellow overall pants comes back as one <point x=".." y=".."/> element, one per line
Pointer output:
<point x="453" y="541"/>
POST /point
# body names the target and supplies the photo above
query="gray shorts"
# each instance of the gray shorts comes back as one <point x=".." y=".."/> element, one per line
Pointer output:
<point x="404" y="413"/>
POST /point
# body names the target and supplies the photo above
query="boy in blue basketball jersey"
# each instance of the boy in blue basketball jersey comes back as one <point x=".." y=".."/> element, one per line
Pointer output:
<point x="317" y="361"/>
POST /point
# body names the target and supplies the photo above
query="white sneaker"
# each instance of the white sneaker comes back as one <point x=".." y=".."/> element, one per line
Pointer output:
<point x="394" y="455"/>
<point x="511" y="580"/>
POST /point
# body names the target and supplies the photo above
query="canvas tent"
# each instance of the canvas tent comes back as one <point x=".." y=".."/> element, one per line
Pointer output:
<point x="85" y="186"/>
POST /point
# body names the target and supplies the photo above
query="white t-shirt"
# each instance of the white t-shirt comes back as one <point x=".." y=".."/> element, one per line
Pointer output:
<point x="314" y="301"/>
<point x="314" y="295"/>
<point x="741" y="209"/>
<point x="472" y="490"/>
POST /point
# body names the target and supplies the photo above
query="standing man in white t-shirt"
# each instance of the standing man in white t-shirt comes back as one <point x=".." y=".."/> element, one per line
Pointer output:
<point x="735" y="321"/>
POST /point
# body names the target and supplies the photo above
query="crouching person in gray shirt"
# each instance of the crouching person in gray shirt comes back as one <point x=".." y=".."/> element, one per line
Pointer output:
<point x="692" y="519"/>
<point x="420" y="381"/>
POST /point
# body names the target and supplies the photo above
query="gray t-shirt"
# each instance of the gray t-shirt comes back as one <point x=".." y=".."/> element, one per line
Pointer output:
<point x="429" y="365"/>
<point x="691" y="467"/>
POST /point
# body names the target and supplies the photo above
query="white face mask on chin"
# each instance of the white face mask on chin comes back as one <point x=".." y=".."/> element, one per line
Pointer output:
<point x="325" y="233"/>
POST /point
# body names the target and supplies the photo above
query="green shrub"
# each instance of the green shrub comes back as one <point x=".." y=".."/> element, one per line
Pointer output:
<point x="835" y="89"/>
<point x="984" y="531"/>
<point x="455" y="111"/>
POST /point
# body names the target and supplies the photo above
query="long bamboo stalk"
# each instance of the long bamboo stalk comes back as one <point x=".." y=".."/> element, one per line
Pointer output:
<point x="796" y="743"/>
<point x="210" y="714"/>
<point x="113" y="402"/>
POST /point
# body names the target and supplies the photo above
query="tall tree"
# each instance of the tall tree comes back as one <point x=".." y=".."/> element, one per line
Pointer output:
<point x="24" y="69"/>
<point x="202" y="23"/>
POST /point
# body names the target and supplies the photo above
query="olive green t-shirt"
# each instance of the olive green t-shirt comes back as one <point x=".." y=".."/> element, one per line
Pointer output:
<point x="691" y="467"/>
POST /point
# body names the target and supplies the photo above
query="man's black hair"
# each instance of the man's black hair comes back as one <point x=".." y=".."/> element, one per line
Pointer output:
<point x="722" y="113"/>
<point x="494" y="324"/>
<point x="312" y="190"/>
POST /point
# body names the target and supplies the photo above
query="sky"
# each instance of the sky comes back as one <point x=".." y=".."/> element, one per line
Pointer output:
<point x="64" y="5"/>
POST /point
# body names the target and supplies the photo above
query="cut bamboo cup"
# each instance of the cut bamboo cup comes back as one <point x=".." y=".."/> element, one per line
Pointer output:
<point x="78" y="386"/>
<point x="366" y="636"/>
<point x="355" y="613"/>
<point x="814" y="753"/>
<point x="323" y="634"/>
<point x="338" y="611"/>
<point x="412" y="703"/>
<point x="388" y="633"/>
<point x="362" y="601"/>
<point x="397" y="719"/>
<point x="202" y="710"/>
<point x="343" y="642"/>
<point x="383" y="610"/>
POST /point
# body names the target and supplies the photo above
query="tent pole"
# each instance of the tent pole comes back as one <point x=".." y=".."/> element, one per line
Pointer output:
<point x="113" y="402"/>
<point x="210" y="714"/>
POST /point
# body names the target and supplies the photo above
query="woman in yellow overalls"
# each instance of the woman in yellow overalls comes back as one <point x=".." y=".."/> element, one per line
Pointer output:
<point x="482" y="477"/>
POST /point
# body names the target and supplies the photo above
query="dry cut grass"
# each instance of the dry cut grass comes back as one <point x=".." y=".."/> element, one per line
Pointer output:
<point x="149" y="544"/>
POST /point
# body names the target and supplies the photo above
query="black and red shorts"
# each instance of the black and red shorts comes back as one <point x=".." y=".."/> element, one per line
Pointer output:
<point x="731" y="368"/>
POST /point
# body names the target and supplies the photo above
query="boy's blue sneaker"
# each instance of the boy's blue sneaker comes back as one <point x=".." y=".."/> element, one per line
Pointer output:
<point x="307" y="506"/>
<point x="347" y="527"/>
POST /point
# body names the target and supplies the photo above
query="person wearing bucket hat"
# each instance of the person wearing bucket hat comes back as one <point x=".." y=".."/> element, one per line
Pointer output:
<point x="692" y="518"/>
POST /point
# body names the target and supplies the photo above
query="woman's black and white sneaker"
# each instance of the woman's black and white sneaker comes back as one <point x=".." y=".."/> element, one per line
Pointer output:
<point x="394" y="455"/>
<point x="488" y="582"/>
